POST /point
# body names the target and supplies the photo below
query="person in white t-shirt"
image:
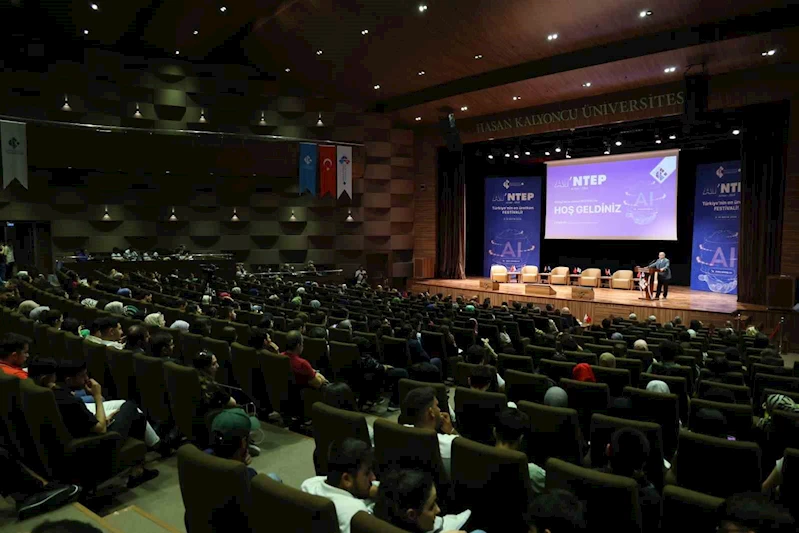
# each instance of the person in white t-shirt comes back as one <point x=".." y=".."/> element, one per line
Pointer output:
<point x="349" y="481"/>
<point x="360" y="276"/>
<point x="421" y="406"/>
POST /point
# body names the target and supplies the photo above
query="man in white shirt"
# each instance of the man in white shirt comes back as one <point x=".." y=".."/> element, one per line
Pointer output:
<point x="108" y="331"/>
<point x="349" y="481"/>
<point x="360" y="276"/>
<point x="421" y="406"/>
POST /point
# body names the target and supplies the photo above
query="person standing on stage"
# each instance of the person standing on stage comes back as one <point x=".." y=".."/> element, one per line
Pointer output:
<point x="663" y="267"/>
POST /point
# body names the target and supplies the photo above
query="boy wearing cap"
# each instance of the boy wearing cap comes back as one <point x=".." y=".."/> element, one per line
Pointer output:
<point x="230" y="436"/>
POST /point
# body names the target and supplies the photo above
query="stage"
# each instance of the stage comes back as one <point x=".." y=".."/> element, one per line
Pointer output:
<point x="682" y="301"/>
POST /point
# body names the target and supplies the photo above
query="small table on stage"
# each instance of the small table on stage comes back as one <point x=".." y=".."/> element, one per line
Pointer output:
<point x="574" y="279"/>
<point x="517" y="274"/>
<point x="544" y="276"/>
<point x="647" y="282"/>
<point x="604" y="281"/>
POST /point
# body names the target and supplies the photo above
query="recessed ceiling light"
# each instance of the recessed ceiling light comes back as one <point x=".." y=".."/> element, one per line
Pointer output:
<point x="377" y="86"/>
<point x="94" y="6"/>
<point x="364" y="32"/>
<point x="464" y="108"/>
<point x="478" y="56"/>
<point x="223" y="9"/>
<point x="422" y="8"/>
<point x="420" y="73"/>
<point x="177" y="52"/>
<point x="515" y="98"/>
<point x="526" y="153"/>
<point x="195" y="32"/>
<point x="418" y="119"/>
<point x="645" y="13"/>
<point x="288" y="70"/>
<point x="546" y="153"/>
<point x="769" y="52"/>
<point x="606" y="152"/>
<point x="490" y="156"/>
<point x="318" y="52"/>
<point x="669" y="70"/>
<point x="552" y="36"/>
<point x="507" y="154"/>
<point x="568" y="155"/>
<point x="515" y="156"/>
<point x="736" y="132"/>
<point x="618" y="143"/>
<point x="587" y="84"/>
<point x="672" y="136"/>
<point x="658" y="141"/>
<point x="85" y="32"/>
<point x="557" y="149"/>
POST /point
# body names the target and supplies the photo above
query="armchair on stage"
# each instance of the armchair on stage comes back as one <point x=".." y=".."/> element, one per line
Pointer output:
<point x="590" y="277"/>
<point x="559" y="276"/>
<point x="499" y="273"/>
<point x="622" y="279"/>
<point x="530" y="274"/>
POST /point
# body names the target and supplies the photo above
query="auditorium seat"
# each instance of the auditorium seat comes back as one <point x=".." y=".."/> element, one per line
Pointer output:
<point x="677" y="385"/>
<point x="659" y="408"/>
<point x="74" y="347"/>
<point x="590" y="277"/>
<point x="185" y="399"/>
<point x="742" y="393"/>
<point x="463" y="371"/>
<point x="273" y="501"/>
<point x="789" y="490"/>
<point x="339" y="334"/>
<point x="12" y="432"/>
<point x="771" y="381"/>
<point x="507" y="362"/>
<point x="477" y="412"/>
<point x="635" y="366"/>
<point x="364" y="522"/>
<point x="526" y="386"/>
<point x="433" y="344"/>
<point x="192" y="344"/>
<point x="315" y="352"/>
<point x="587" y="398"/>
<point x="153" y="392"/>
<point x="784" y="433"/>
<point x="499" y="273"/>
<point x="87" y="461"/>
<point x="464" y="337"/>
<point x="120" y="364"/>
<point x="334" y="425"/>
<point x="556" y="369"/>
<point x="530" y="274"/>
<point x="279" y="338"/>
<point x="688" y="510"/>
<point x="622" y="279"/>
<point x="395" y="352"/>
<point x="739" y="417"/>
<point x="611" y="501"/>
<point x="96" y="358"/>
<point x="559" y="276"/>
<point x="603" y="426"/>
<point x="278" y="381"/>
<point x="344" y="359"/>
<point x="715" y="466"/>
<point x="538" y="353"/>
<point x="554" y="432"/>
<point x="486" y="479"/>
<point x="247" y="374"/>
<point x="213" y="486"/>
<point x="616" y="378"/>
<point x="221" y="349"/>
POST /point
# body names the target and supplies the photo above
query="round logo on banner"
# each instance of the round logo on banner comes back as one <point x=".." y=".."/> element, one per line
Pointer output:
<point x="642" y="202"/>
<point x="718" y="261"/>
<point x="511" y="248"/>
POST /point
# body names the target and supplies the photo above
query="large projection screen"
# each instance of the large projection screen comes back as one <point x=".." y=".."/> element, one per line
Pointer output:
<point x="617" y="197"/>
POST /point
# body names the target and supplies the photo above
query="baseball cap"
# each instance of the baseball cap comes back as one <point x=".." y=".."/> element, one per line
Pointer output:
<point x="232" y="423"/>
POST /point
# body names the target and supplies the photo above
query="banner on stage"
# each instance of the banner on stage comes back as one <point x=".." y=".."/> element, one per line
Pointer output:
<point x="308" y="166"/>
<point x="717" y="210"/>
<point x="344" y="175"/>
<point x="512" y="222"/>
<point x="327" y="170"/>
<point x="13" y="153"/>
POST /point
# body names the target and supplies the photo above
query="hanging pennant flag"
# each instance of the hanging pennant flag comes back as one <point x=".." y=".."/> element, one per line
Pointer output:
<point x="344" y="174"/>
<point x="14" y="153"/>
<point x="327" y="170"/>
<point x="308" y="168"/>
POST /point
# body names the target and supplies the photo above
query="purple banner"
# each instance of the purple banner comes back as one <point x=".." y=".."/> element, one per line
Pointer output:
<point x="613" y="198"/>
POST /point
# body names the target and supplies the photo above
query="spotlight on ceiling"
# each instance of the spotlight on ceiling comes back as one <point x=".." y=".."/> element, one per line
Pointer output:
<point x="137" y="114"/>
<point x="420" y="73"/>
<point x="618" y="142"/>
<point x="546" y="153"/>
<point x="515" y="156"/>
<point x="669" y="70"/>
<point x="349" y="216"/>
<point x="319" y="52"/>
<point x="568" y="155"/>
<point x="490" y="156"/>
<point x="517" y="98"/>
<point x="85" y="32"/>
<point x="464" y="108"/>
<point x="195" y="32"/>
<point x="527" y="153"/>
<point x="94" y="6"/>
<point x="587" y="84"/>
<point x="422" y="8"/>
<point x="173" y="217"/>
<point x="235" y="217"/>
<point x="66" y="106"/>
<point x="645" y="13"/>
<point x="769" y="52"/>
<point x="292" y="218"/>
<point x="177" y="52"/>
<point x="418" y="119"/>
<point x="377" y="86"/>
<point x="736" y="132"/>
<point x="507" y="154"/>
<point x="557" y="149"/>
<point x="106" y="215"/>
<point x="364" y="32"/>
<point x="658" y="140"/>
<point x="478" y="56"/>
<point x="607" y="151"/>
<point x="319" y="122"/>
<point x="552" y="36"/>
<point x="288" y="69"/>
<point x="672" y="137"/>
<point x="223" y="9"/>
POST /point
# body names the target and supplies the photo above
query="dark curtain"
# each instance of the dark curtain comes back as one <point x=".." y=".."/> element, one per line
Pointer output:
<point x="763" y="156"/>
<point x="451" y="215"/>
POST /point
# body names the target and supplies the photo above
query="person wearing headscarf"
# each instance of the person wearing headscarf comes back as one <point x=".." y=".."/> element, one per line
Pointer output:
<point x="115" y="308"/>
<point x="36" y="314"/>
<point x="607" y="360"/>
<point x="206" y="299"/>
<point x="640" y="344"/>
<point x="556" y="397"/>
<point x="182" y="325"/>
<point x="776" y="402"/>
<point x="583" y="372"/>
<point x="89" y="302"/>
<point x="124" y="292"/>
<point x="633" y="317"/>
<point x="155" y="319"/>
<point x="617" y="336"/>
<point x="658" y="386"/>
<point x="26" y="307"/>
<point x="692" y="333"/>
<point x="235" y="290"/>
<point x="316" y="304"/>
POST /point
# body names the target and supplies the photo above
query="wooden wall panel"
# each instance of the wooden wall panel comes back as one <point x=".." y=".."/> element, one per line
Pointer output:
<point x="424" y="198"/>
<point x="790" y="225"/>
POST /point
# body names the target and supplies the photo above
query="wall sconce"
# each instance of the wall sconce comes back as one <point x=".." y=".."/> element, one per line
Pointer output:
<point x="349" y="216"/>
<point x="106" y="216"/>
<point x="172" y="217"/>
<point x="262" y="122"/>
<point x="66" y="107"/>
<point x="235" y="217"/>
<point x="202" y="116"/>
<point x="292" y="218"/>
<point x="137" y="114"/>
<point x="319" y="122"/>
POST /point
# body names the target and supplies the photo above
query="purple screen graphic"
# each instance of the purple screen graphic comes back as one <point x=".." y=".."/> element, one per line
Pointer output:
<point x="633" y="199"/>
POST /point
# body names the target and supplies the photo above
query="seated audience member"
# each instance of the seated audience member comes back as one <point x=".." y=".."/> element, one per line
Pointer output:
<point x="31" y="495"/>
<point x="182" y="325"/>
<point x="26" y="307"/>
<point x="155" y="319"/>
<point x="261" y="340"/>
<point x="641" y="345"/>
<point x="229" y="335"/>
<point x="484" y="355"/>
<point x="230" y="436"/>
<point x="484" y="378"/>
<point x="509" y="432"/>
<point x="115" y="308"/>
<point x="14" y="354"/>
<point x="227" y="313"/>
<point x="668" y="354"/>
<point x="732" y="353"/>
<point x="685" y="340"/>
<point x="213" y="395"/>
<point x="770" y="357"/>
<point x="620" y="350"/>
<point x="407" y="499"/>
<point x="607" y="360"/>
<point x="450" y="345"/>
<point x="628" y="452"/>
<point x="348" y="483"/>
<point x="658" y="386"/>
<point x="776" y="402"/>
<point x="505" y="343"/>
<point x="201" y="326"/>
<point x="761" y="341"/>
<point x="418" y="353"/>
<point x="72" y="325"/>
<point x="138" y="339"/>
<point x="719" y="367"/>
<point x="53" y="318"/>
<point x="556" y="397"/>
<point x="754" y="513"/>
<point x="162" y="345"/>
<point x="304" y="373"/>
<point x="583" y="372"/>
<point x="375" y="374"/>
<point x="717" y="394"/>
<point x="82" y="419"/>
<point x="38" y="313"/>
<point x="108" y="331"/>
<point x="556" y="511"/>
<point x="568" y="344"/>
<point x="421" y="407"/>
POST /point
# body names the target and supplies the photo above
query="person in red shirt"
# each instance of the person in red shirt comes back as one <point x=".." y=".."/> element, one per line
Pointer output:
<point x="304" y="373"/>
<point x="13" y="354"/>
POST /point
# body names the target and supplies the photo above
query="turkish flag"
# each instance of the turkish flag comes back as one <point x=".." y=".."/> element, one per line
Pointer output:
<point x="327" y="170"/>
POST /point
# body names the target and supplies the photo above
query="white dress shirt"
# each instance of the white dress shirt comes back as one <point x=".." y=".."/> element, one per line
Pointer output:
<point x="346" y="504"/>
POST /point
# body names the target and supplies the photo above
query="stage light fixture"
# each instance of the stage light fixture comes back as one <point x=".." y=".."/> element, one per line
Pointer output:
<point x="490" y="156"/>
<point x="736" y="131"/>
<point x="66" y="106"/>
<point x="464" y="108"/>
<point x="557" y="149"/>
<point x="607" y="151"/>
<point x="645" y="13"/>
<point x="658" y="141"/>
<point x="769" y="52"/>
<point x="515" y="156"/>
<point x="364" y="32"/>
<point x="349" y="216"/>
<point x="85" y="32"/>
<point x="568" y="155"/>
<point x="546" y="153"/>
<point x="288" y="69"/>
<point x="517" y="98"/>
<point x="262" y="122"/>
<point x="202" y="116"/>
<point x="478" y="56"/>
<point x="422" y="8"/>
<point x="507" y="154"/>
<point x="418" y="119"/>
<point x="177" y="52"/>
<point x="618" y="143"/>
<point x="195" y="32"/>
<point x="137" y="114"/>
<point x="672" y="137"/>
<point x="669" y="70"/>
<point x="223" y="9"/>
<point x="377" y="86"/>
<point x="94" y="6"/>
<point x="587" y="84"/>
<point x="319" y="52"/>
<point x="173" y="217"/>
<point x="235" y="217"/>
<point x="420" y="73"/>
<point x="292" y="218"/>
<point x="552" y="36"/>
<point x="527" y="153"/>
<point x="106" y="216"/>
